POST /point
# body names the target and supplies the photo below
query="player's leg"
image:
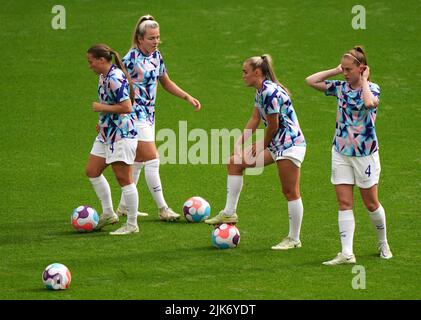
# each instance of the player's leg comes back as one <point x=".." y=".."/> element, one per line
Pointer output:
<point x="94" y="169"/>
<point x="236" y="166"/>
<point x="343" y="179"/>
<point x="123" y="173"/>
<point x="289" y="175"/>
<point x="378" y="219"/>
<point x="367" y="172"/>
<point x="346" y="223"/>
<point x="148" y="154"/>
<point x="146" y="134"/>
<point x="121" y="158"/>
<point x="136" y="170"/>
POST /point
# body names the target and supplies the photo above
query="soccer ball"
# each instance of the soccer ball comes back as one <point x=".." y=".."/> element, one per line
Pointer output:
<point x="84" y="219"/>
<point x="56" y="277"/>
<point x="196" y="209"/>
<point x="225" y="236"/>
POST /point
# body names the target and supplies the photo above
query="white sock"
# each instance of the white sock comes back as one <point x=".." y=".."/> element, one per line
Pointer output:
<point x="234" y="186"/>
<point x="136" y="169"/>
<point x="154" y="182"/>
<point x="295" y="213"/>
<point x="346" y="230"/>
<point x="378" y="218"/>
<point x="131" y="199"/>
<point x="103" y="191"/>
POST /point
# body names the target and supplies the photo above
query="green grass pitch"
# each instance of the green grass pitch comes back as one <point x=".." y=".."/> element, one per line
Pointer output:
<point x="48" y="128"/>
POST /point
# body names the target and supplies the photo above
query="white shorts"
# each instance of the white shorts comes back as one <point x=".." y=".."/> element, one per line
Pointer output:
<point x="295" y="154"/>
<point x="123" y="150"/>
<point x="361" y="171"/>
<point x="145" y="131"/>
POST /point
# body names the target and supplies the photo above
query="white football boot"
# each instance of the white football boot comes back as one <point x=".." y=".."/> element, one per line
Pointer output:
<point x="341" y="259"/>
<point x="125" y="229"/>
<point x="167" y="214"/>
<point x="223" y="217"/>
<point x="122" y="211"/>
<point x="287" y="244"/>
<point x="385" y="252"/>
<point x="106" y="219"/>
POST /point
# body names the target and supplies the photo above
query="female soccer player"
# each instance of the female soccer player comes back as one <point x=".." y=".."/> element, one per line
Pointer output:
<point x="146" y="66"/>
<point x="283" y="143"/>
<point x="116" y="141"/>
<point x="355" y="156"/>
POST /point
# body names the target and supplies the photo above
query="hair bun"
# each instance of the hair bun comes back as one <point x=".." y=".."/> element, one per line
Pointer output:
<point x="359" y="49"/>
<point x="146" y="18"/>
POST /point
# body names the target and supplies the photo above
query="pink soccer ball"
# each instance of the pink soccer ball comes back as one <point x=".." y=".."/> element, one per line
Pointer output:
<point x="225" y="236"/>
<point x="196" y="209"/>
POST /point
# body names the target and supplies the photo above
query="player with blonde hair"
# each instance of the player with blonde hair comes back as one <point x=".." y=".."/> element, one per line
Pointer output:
<point x="283" y="144"/>
<point x="146" y="67"/>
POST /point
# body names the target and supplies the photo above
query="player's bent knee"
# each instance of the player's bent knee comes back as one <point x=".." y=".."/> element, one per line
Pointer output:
<point x="235" y="168"/>
<point x="92" y="173"/>
<point x="372" y="206"/>
<point x="124" y="180"/>
<point x="291" y="194"/>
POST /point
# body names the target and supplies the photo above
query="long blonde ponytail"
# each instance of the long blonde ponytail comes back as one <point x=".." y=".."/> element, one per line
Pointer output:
<point x="265" y="64"/>
<point x="144" y="22"/>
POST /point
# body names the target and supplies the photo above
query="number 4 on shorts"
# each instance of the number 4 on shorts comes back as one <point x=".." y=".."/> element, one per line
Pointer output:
<point x="368" y="171"/>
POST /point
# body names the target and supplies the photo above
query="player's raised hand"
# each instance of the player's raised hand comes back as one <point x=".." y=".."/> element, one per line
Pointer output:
<point x="366" y="73"/>
<point x="339" y="69"/>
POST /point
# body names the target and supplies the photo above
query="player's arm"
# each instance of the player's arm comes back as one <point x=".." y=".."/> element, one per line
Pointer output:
<point x="250" y="128"/>
<point x="272" y="128"/>
<point x="121" y="107"/>
<point x="175" y="90"/>
<point x="317" y="80"/>
<point x="370" y="100"/>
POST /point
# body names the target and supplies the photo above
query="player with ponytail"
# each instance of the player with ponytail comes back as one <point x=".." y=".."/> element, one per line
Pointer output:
<point x="355" y="155"/>
<point x="283" y="144"/>
<point x="116" y="142"/>
<point x="146" y="67"/>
